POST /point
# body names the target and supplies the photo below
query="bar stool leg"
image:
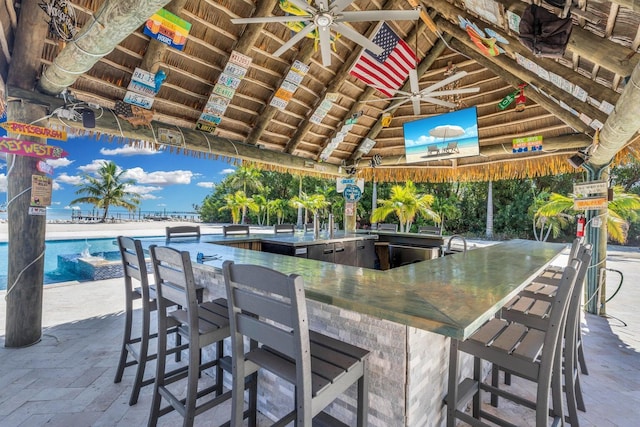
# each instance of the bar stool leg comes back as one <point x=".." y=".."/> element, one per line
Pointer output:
<point x="143" y="354"/>
<point x="160" y="369"/>
<point x="128" y="321"/>
<point x="452" y="395"/>
<point x="363" y="397"/>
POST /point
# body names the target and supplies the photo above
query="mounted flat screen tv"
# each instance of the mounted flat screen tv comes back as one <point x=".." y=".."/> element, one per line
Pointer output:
<point x="446" y="136"/>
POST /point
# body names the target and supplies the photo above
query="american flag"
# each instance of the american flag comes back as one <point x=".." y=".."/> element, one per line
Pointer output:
<point x="390" y="69"/>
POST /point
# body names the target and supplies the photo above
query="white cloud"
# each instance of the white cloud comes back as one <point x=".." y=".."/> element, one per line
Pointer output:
<point x="69" y="179"/>
<point x="162" y="205"/>
<point x="206" y="184"/>
<point x="128" y="150"/>
<point x="144" y="191"/>
<point x="177" y="177"/>
<point x="93" y="166"/>
<point x="227" y="171"/>
<point x="75" y="208"/>
<point x="59" y="163"/>
<point x="56" y="186"/>
<point x="3" y="183"/>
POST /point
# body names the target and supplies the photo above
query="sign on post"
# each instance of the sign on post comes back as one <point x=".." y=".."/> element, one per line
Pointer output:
<point x="352" y="193"/>
<point x="593" y="187"/>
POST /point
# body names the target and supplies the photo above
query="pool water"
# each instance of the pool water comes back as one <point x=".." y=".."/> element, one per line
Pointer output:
<point x="53" y="248"/>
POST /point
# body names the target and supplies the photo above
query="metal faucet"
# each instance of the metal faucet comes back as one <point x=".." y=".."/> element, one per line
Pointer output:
<point x="456" y="236"/>
<point x="316" y="226"/>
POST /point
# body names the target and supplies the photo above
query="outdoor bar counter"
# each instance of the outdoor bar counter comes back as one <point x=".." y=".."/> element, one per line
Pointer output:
<point x="404" y="316"/>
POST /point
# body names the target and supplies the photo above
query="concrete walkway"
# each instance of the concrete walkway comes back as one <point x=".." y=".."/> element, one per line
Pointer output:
<point x="67" y="378"/>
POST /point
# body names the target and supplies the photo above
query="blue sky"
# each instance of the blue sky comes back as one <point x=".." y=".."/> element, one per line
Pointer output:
<point x="164" y="181"/>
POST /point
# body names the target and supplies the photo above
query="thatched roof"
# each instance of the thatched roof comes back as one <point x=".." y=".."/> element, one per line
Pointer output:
<point x="600" y="57"/>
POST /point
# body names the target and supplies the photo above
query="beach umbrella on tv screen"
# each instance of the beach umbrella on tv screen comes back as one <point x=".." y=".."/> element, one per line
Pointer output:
<point x="446" y="131"/>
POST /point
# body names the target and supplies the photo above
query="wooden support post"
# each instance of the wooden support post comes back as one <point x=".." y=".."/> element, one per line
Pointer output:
<point x="26" y="241"/>
<point x="26" y="232"/>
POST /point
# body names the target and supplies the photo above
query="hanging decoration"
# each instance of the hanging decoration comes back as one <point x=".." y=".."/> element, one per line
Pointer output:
<point x="62" y="19"/>
<point x="508" y="100"/>
<point x="143" y="87"/>
<point x="486" y="45"/>
<point x="223" y="92"/>
<point x="289" y="86"/>
<point x="168" y="28"/>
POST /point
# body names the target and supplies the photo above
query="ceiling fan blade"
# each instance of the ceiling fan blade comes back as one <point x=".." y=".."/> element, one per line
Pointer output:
<point x="444" y="82"/>
<point x="295" y="39"/>
<point x="416" y="106"/>
<point x="438" y="102"/>
<point x="378" y="15"/>
<point x="413" y="80"/>
<point x="303" y="5"/>
<point x="396" y="105"/>
<point x="355" y="36"/>
<point x="265" y="19"/>
<point x="455" y="91"/>
<point x="325" y="45"/>
<point x="383" y="99"/>
<point x="340" y="5"/>
<point x="323" y="5"/>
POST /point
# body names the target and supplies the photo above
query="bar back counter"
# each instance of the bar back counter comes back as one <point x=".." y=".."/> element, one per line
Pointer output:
<point x="404" y="315"/>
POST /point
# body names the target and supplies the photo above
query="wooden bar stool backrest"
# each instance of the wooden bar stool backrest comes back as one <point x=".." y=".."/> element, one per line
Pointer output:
<point x="430" y="229"/>
<point x="270" y="308"/>
<point x="174" y="278"/>
<point x="183" y="231"/>
<point x="235" y="229"/>
<point x="283" y="228"/>
<point x="387" y="227"/>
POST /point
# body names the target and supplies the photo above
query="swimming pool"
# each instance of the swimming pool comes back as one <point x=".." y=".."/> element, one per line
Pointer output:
<point x="54" y="248"/>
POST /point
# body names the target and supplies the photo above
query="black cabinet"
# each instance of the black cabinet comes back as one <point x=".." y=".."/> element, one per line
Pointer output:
<point x="345" y="253"/>
<point x="322" y="252"/>
<point x="276" y="248"/>
<point x="365" y="254"/>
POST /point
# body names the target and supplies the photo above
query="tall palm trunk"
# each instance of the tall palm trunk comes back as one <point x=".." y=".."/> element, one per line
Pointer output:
<point x="489" y="232"/>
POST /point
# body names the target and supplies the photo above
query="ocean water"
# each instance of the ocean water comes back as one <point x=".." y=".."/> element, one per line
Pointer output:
<point x="53" y="248"/>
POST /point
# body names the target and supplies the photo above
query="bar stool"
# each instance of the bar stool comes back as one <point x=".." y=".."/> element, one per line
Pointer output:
<point x="527" y="352"/>
<point x="269" y="308"/>
<point x="235" y="229"/>
<point x="135" y="269"/>
<point x="532" y="307"/>
<point x="202" y="324"/>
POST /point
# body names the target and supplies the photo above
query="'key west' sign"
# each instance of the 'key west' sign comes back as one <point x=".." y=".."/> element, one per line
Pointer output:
<point x="30" y="149"/>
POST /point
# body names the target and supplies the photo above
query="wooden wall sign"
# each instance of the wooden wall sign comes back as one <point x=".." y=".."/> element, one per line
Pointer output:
<point x="41" y="187"/>
<point x="30" y="149"/>
<point x="37" y="131"/>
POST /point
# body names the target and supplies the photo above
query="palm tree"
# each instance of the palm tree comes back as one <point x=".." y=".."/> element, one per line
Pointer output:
<point x="278" y="207"/>
<point x="313" y="203"/>
<point x="108" y="188"/>
<point x="236" y="203"/>
<point x="246" y="177"/>
<point x="406" y="203"/>
<point x="623" y="208"/>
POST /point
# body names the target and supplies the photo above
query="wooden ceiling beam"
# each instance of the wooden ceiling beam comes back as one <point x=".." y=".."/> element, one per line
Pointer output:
<point x="514" y="47"/>
<point x="116" y="21"/>
<point x="336" y="82"/>
<point x="424" y="65"/>
<point x="515" y="75"/>
<point x="612" y="56"/>
<point x="193" y="140"/>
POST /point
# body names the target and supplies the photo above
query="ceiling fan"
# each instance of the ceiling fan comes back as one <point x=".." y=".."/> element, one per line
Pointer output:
<point x="327" y="16"/>
<point x="429" y="93"/>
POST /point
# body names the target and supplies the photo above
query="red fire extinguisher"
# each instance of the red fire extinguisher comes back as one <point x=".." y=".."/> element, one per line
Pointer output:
<point x="581" y="224"/>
